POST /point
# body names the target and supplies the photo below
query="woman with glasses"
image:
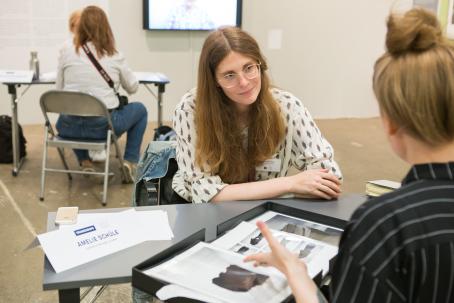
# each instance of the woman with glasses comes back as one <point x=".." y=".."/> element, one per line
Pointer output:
<point x="238" y="136"/>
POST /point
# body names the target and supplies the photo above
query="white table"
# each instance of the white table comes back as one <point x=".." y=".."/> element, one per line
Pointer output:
<point x="145" y="78"/>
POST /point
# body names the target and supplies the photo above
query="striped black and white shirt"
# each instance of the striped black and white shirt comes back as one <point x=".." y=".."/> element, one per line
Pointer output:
<point x="400" y="247"/>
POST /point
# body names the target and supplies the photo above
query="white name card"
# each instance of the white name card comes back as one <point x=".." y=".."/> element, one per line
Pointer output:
<point x="16" y="76"/>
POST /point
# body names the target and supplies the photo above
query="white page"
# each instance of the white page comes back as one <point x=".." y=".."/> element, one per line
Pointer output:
<point x="78" y="244"/>
<point x="200" y="266"/>
<point x="84" y="219"/>
<point x="16" y="76"/>
<point x="234" y="236"/>
<point x="49" y="76"/>
<point x="150" y="76"/>
<point x="155" y="224"/>
<point x="267" y="216"/>
<point x="317" y="231"/>
<point x="315" y="254"/>
<point x="385" y="183"/>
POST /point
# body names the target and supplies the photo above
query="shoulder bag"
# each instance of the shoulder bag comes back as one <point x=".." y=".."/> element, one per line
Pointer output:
<point x="123" y="100"/>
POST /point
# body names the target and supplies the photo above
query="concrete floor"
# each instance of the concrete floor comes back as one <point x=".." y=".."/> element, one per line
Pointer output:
<point x="361" y="151"/>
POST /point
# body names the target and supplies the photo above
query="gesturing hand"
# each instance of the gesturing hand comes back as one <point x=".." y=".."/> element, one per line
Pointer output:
<point x="303" y="288"/>
<point x="315" y="183"/>
<point x="279" y="257"/>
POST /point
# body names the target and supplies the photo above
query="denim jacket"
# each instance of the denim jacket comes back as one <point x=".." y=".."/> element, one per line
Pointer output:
<point x="154" y="162"/>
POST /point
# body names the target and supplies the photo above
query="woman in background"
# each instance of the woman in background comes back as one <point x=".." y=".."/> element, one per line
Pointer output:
<point x="237" y="137"/>
<point x="399" y="247"/>
<point x="76" y="72"/>
<point x="74" y="21"/>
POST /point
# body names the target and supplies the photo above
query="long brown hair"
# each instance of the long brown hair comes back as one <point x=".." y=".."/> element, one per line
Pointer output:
<point x="414" y="80"/>
<point x="219" y="144"/>
<point x="94" y="27"/>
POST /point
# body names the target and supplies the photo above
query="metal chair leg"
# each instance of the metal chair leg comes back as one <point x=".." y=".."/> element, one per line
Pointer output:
<point x="120" y="158"/>
<point x="159" y="191"/>
<point x="106" y="169"/>
<point x="98" y="293"/>
<point x="86" y="292"/>
<point x="44" y="163"/>
<point x="63" y="159"/>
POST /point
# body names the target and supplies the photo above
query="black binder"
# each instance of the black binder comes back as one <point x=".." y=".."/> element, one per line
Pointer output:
<point x="151" y="285"/>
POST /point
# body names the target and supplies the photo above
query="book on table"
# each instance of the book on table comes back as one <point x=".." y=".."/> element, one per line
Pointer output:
<point x="377" y="188"/>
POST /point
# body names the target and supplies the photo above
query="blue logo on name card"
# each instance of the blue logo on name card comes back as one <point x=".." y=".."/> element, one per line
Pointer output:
<point x="84" y="230"/>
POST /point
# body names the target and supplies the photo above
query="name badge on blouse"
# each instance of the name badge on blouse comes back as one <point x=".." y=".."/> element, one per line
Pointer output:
<point x="271" y="165"/>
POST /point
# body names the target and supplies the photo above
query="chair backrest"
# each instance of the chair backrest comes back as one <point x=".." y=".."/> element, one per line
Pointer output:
<point x="72" y="103"/>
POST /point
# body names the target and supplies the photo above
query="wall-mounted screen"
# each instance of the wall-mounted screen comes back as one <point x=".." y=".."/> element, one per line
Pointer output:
<point x="190" y="14"/>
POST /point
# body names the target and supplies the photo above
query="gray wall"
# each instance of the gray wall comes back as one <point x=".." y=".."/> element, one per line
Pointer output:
<point x="324" y="55"/>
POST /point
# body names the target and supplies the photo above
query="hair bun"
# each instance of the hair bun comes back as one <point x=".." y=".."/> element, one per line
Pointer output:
<point x="417" y="30"/>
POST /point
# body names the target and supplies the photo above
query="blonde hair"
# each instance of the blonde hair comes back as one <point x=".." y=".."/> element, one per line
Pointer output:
<point x="414" y="80"/>
<point x="94" y="27"/>
<point x="74" y="20"/>
<point x="219" y="136"/>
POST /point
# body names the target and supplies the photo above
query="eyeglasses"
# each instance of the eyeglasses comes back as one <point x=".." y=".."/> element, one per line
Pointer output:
<point x="230" y="80"/>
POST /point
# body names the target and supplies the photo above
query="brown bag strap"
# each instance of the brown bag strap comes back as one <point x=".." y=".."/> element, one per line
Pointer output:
<point x="98" y="66"/>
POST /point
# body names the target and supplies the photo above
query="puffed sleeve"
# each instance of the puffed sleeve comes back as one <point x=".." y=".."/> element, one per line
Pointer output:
<point x="310" y="150"/>
<point x="191" y="181"/>
<point x="127" y="78"/>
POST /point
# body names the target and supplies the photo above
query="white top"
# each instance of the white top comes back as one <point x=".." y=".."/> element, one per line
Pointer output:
<point x="76" y="72"/>
<point x="304" y="148"/>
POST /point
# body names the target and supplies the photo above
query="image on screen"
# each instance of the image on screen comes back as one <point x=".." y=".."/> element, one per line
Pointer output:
<point x="191" y="14"/>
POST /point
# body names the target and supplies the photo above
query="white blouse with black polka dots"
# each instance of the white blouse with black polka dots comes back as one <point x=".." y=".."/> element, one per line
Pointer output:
<point x="304" y="148"/>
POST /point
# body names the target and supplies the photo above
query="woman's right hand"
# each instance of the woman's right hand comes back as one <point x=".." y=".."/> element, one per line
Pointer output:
<point x="279" y="256"/>
<point x="294" y="269"/>
<point x="317" y="183"/>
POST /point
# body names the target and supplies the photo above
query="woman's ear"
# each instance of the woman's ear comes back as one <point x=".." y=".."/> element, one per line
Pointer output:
<point x="394" y="135"/>
<point x="389" y="126"/>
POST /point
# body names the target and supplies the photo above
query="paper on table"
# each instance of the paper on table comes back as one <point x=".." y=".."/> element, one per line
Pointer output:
<point x="49" y="76"/>
<point x="152" y="77"/>
<point x="154" y="224"/>
<point x="91" y="239"/>
<point x="86" y="219"/>
<point x="303" y="227"/>
<point x="208" y="270"/>
<point x="234" y="235"/>
<point x="16" y="76"/>
<point x="386" y="183"/>
<point x="316" y="253"/>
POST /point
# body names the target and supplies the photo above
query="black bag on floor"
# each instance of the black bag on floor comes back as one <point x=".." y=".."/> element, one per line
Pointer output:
<point x="6" y="141"/>
<point x="147" y="191"/>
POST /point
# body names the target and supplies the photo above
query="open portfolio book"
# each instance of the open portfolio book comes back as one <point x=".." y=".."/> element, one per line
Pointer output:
<point x="215" y="272"/>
